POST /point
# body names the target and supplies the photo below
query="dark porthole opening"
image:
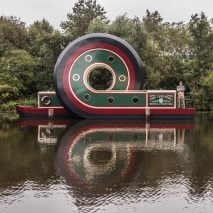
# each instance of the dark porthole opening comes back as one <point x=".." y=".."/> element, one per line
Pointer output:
<point x="87" y="97"/>
<point x="100" y="78"/>
<point x="111" y="58"/>
<point x="135" y="100"/>
<point x="110" y="137"/>
<point x="46" y="100"/>
<point x="135" y="137"/>
<point x="110" y="100"/>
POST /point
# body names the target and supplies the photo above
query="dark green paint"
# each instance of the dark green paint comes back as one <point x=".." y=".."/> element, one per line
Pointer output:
<point x="99" y="56"/>
<point x="119" y="99"/>
<point x="55" y="101"/>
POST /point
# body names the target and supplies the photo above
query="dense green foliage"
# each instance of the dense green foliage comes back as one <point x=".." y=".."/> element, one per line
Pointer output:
<point x="169" y="51"/>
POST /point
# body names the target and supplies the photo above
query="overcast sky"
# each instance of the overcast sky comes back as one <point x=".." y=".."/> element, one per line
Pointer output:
<point x="55" y="11"/>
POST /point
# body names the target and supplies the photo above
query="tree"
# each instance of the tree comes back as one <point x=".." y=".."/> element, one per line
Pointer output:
<point x="121" y="27"/>
<point x="201" y="31"/>
<point x="84" y="12"/>
<point x="153" y="61"/>
<point x="17" y="65"/>
<point x="208" y="86"/>
<point x="45" y="44"/>
<point x="97" y="25"/>
<point x="13" y="34"/>
<point x="167" y="54"/>
<point x="17" y="75"/>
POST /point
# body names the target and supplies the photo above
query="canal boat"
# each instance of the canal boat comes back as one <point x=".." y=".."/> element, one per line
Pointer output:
<point x="100" y="76"/>
<point x="54" y="110"/>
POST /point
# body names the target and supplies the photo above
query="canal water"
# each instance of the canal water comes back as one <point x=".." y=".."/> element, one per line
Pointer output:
<point x="106" y="166"/>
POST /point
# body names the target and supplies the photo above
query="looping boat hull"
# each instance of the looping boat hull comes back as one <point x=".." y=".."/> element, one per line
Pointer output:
<point x="100" y="76"/>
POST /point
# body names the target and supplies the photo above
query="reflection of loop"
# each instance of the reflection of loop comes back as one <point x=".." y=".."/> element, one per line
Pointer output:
<point x="46" y="100"/>
<point x="100" y="166"/>
<point x="87" y="157"/>
<point x="100" y="157"/>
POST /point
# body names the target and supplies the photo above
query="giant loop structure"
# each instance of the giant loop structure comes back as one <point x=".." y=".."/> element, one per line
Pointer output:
<point x="101" y="76"/>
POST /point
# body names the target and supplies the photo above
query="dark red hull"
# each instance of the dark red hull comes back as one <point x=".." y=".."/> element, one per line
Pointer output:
<point x="44" y="113"/>
<point x="176" y="114"/>
<point x="60" y="112"/>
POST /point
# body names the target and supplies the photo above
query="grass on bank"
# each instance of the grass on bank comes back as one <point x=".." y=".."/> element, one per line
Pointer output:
<point x="10" y="106"/>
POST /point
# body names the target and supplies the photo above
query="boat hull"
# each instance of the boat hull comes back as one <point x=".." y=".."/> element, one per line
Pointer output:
<point x="60" y="112"/>
<point x="44" y="113"/>
<point x="172" y="114"/>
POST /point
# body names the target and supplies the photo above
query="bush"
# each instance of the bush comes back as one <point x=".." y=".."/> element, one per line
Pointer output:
<point x="11" y="105"/>
<point x="7" y="93"/>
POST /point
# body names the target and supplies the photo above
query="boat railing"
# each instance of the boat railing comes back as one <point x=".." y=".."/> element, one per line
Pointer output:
<point x="189" y="100"/>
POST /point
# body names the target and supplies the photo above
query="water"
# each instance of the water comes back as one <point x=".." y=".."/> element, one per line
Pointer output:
<point x="106" y="166"/>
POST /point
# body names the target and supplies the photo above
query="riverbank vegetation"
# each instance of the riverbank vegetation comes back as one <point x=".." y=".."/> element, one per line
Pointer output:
<point x="169" y="51"/>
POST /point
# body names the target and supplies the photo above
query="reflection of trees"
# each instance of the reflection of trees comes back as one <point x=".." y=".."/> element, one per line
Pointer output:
<point x="21" y="158"/>
<point x="189" y="162"/>
<point x="201" y="146"/>
<point x="154" y="167"/>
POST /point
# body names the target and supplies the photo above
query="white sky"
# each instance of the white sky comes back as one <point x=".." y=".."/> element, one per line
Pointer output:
<point x="55" y="11"/>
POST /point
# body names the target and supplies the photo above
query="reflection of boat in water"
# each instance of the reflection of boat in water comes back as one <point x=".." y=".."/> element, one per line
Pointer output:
<point x="48" y="134"/>
<point x="48" y="129"/>
<point x="101" y="156"/>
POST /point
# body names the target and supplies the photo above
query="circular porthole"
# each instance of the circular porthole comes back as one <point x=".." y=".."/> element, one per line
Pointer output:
<point x="76" y="77"/>
<point x="135" y="137"/>
<point x="111" y="58"/>
<point x="87" y="97"/>
<point x="88" y="58"/>
<point x="100" y="77"/>
<point x="110" y="100"/>
<point x="122" y="78"/>
<point x="46" y="100"/>
<point x="135" y="100"/>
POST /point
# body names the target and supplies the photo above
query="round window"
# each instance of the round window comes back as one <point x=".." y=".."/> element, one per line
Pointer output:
<point x="100" y="78"/>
